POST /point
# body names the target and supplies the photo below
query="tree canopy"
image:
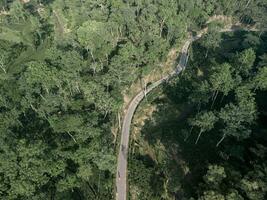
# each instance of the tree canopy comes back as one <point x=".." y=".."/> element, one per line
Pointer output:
<point x="65" y="65"/>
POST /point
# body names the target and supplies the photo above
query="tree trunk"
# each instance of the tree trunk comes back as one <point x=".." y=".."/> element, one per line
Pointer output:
<point x="119" y="120"/>
<point x="145" y="88"/>
<point x="214" y="99"/>
<point x="98" y="187"/>
<point x="256" y="87"/>
<point x="42" y="97"/>
<point x="248" y="3"/>
<point x="221" y="140"/>
<point x="46" y="89"/>
<point x="77" y="87"/>
<point x="33" y="108"/>
<point x="206" y="55"/>
<point x="72" y="136"/>
<point x="198" y="107"/>
<point x="92" y="55"/>
<point x="161" y="27"/>
<point x="106" y="113"/>
<point x="198" y="137"/>
<point x="92" y="189"/>
<point x="189" y="133"/>
<point x="213" y="95"/>
<point x="2" y="67"/>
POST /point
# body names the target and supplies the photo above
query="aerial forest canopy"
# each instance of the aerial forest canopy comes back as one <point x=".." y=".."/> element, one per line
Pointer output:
<point x="64" y="65"/>
<point x="206" y="138"/>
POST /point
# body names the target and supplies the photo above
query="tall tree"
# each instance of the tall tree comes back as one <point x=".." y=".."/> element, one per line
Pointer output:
<point x="245" y="61"/>
<point x="221" y="80"/>
<point x="260" y="80"/>
<point x="204" y="121"/>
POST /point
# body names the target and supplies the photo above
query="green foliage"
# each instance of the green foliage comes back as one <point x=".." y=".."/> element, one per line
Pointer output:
<point x="260" y="80"/>
<point x="214" y="176"/>
<point x="212" y="40"/>
<point x="95" y="36"/>
<point x="64" y="65"/>
<point x="221" y="79"/>
<point x="222" y="95"/>
<point x="205" y="121"/>
<point x="245" y="61"/>
<point x="250" y="41"/>
<point x="142" y="177"/>
<point x="211" y="195"/>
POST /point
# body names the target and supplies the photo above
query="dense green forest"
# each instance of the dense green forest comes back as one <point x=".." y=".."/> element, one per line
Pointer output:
<point x="207" y="138"/>
<point x="64" y="65"/>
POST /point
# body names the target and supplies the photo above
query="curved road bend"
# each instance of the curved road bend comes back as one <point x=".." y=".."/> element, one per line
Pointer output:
<point x="121" y="173"/>
<point x="121" y="176"/>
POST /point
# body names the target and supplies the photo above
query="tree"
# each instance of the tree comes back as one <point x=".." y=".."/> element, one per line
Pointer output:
<point x="260" y="80"/>
<point x="98" y="40"/>
<point x="235" y="118"/>
<point x="204" y="121"/>
<point x="233" y="195"/>
<point x="3" y="62"/>
<point x="17" y="11"/>
<point x="200" y="93"/>
<point x="263" y="61"/>
<point x="245" y="61"/>
<point x="254" y="183"/>
<point x="221" y="80"/>
<point x="214" y="176"/>
<point x="211" y="195"/>
<point x="211" y="41"/>
<point x="251" y="41"/>
<point x="64" y="68"/>
<point x="33" y="171"/>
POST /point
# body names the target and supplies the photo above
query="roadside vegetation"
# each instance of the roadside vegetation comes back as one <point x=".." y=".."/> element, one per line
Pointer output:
<point x="66" y="67"/>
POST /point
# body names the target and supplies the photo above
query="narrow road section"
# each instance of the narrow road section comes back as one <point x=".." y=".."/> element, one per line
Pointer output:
<point x="121" y="177"/>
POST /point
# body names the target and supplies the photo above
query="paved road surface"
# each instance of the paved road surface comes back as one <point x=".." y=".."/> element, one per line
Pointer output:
<point x="121" y="177"/>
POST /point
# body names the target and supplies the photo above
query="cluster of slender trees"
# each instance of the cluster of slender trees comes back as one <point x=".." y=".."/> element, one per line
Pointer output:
<point x="217" y="150"/>
<point x="233" y="116"/>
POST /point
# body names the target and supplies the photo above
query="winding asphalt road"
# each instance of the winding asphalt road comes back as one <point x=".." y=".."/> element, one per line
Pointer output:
<point x="121" y="176"/>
